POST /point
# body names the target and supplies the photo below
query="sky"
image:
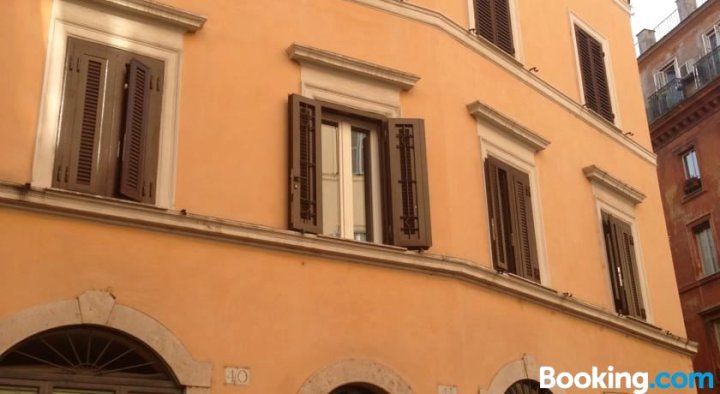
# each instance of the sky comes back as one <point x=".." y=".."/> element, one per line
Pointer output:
<point x="646" y="14"/>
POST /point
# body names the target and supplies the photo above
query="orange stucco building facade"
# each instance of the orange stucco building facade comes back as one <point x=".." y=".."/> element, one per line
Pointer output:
<point x="208" y="273"/>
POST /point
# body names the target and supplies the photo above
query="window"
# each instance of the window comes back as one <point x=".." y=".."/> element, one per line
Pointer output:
<point x="110" y="120"/>
<point x="665" y="75"/>
<point x="512" y="230"/>
<point x="84" y="360"/>
<point x="527" y="386"/>
<point x="692" y="172"/>
<point x="705" y="242"/>
<point x="622" y="263"/>
<point x="358" y="389"/>
<point x="492" y="22"/>
<point x="591" y="56"/>
<point x="357" y="175"/>
<point x="711" y="39"/>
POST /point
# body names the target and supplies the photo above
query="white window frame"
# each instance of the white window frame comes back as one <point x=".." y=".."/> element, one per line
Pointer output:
<point x="96" y="22"/>
<point x="706" y="40"/>
<point x="587" y="28"/>
<point x="514" y="25"/>
<point x="619" y="205"/>
<point x="344" y="161"/>
<point x="660" y="76"/>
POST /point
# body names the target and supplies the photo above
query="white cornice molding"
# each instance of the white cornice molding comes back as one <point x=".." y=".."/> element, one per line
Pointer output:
<point x="594" y="174"/>
<point x="160" y="12"/>
<point x="118" y="212"/>
<point x="482" y="112"/>
<point x="624" y="5"/>
<point x="307" y="54"/>
<point x="515" y="68"/>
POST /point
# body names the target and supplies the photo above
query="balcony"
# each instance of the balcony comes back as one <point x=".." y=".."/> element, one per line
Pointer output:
<point x="677" y="90"/>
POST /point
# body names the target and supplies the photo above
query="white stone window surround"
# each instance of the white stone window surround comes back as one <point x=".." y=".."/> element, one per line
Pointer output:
<point x="357" y="84"/>
<point x="513" y="144"/>
<point x="158" y="34"/>
<point x="618" y="199"/>
<point x="514" y="24"/>
<point x="575" y="21"/>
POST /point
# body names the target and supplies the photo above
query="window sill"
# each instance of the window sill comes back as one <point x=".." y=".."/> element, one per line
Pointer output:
<point x="131" y="214"/>
<point x="700" y="282"/>
<point x="105" y="199"/>
<point x="692" y="195"/>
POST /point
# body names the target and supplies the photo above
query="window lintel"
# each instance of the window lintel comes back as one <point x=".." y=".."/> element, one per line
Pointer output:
<point x="598" y="176"/>
<point x="518" y="132"/>
<point x="176" y="17"/>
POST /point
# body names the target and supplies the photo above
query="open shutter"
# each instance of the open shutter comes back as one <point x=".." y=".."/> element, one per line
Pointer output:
<point x="526" y="261"/>
<point x="495" y="214"/>
<point x="408" y="210"/>
<point x="613" y="249"/>
<point x="629" y="269"/>
<point x="135" y="134"/>
<point x="305" y="126"/>
<point x="82" y="118"/>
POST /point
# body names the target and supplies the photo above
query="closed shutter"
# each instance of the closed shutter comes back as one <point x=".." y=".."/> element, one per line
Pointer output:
<point x="492" y="22"/>
<point x="407" y="207"/>
<point x="620" y="247"/>
<point x="524" y="235"/>
<point x="594" y="74"/>
<point x="137" y="172"/>
<point x="305" y="124"/>
<point x="82" y="119"/>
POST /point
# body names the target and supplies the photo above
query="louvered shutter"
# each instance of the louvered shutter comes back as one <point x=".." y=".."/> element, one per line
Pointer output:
<point x="526" y="261"/>
<point x="493" y="22"/>
<point x="594" y="74"/>
<point x="498" y="233"/>
<point x="612" y="248"/>
<point x="629" y="269"/>
<point x="82" y="118"/>
<point x="136" y="152"/>
<point x="408" y="210"/>
<point x="305" y="126"/>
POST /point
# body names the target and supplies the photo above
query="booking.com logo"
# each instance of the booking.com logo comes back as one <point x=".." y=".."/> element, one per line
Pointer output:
<point x="639" y="382"/>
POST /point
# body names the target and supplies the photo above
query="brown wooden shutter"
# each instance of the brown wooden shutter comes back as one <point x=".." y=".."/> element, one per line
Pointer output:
<point x="620" y="247"/>
<point x="594" y="74"/>
<point x="526" y="261"/>
<point x="136" y="136"/>
<point x="81" y="118"/>
<point x="305" y="126"/>
<point x="497" y="200"/>
<point x="408" y="203"/>
<point x="493" y="22"/>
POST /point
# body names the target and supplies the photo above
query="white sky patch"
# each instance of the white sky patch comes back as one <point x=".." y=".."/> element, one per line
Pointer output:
<point x="646" y="14"/>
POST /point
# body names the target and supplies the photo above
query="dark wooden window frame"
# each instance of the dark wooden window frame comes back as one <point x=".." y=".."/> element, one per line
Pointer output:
<point x="623" y="268"/>
<point x="593" y="74"/>
<point x="511" y="220"/>
<point x="694" y="227"/>
<point x="404" y="209"/>
<point x="109" y="131"/>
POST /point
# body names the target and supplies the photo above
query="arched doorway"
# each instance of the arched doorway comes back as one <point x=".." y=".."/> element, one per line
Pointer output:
<point x="358" y="388"/>
<point x="84" y="359"/>
<point x="527" y="386"/>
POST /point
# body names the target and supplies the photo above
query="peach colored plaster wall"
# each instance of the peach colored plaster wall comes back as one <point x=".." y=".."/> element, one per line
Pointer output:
<point x="285" y="315"/>
<point x="233" y="139"/>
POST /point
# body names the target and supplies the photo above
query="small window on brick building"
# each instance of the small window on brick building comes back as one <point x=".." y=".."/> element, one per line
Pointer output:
<point x="705" y="241"/>
<point x="692" y="171"/>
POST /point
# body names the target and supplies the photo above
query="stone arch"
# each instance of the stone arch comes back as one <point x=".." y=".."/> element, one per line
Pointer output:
<point x="99" y="308"/>
<point x="524" y="368"/>
<point x="355" y="371"/>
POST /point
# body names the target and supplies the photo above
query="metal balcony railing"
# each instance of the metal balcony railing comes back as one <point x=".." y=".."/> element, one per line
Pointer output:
<point x="665" y="99"/>
<point x="705" y="71"/>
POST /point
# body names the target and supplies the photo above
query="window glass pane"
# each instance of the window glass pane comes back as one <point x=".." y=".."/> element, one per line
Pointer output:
<point x="692" y="170"/>
<point x="17" y="390"/>
<point x="706" y="249"/>
<point x="330" y="180"/>
<point x="359" y="186"/>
